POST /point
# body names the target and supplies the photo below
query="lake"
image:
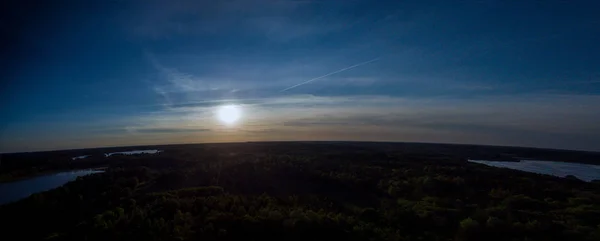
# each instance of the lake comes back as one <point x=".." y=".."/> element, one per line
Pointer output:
<point x="80" y="157"/>
<point x="13" y="191"/>
<point x="133" y="152"/>
<point x="585" y="172"/>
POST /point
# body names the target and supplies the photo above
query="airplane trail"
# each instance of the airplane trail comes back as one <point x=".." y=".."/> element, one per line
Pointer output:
<point x="335" y="72"/>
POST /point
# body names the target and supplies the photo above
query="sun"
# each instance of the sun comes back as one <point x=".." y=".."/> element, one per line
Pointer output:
<point x="228" y="114"/>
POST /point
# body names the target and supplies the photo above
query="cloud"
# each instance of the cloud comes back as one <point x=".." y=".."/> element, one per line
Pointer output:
<point x="246" y="81"/>
<point x="558" y="114"/>
<point x="165" y="130"/>
<point x="541" y="120"/>
<point x="171" y="83"/>
<point x="177" y="80"/>
<point x="160" y="91"/>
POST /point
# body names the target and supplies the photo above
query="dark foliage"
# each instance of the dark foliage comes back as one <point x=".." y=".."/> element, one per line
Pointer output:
<point x="306" y="191"/>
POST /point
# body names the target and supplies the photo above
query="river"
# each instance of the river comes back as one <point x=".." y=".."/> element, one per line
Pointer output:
<point x="13" y="191"/>
<point x="584" y="172"/>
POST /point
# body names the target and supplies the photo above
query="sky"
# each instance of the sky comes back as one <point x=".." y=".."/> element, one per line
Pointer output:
<point x="78" y="74"/>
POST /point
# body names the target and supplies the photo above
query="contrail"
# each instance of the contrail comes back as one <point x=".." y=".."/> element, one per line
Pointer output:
<point x="335" y="72"/>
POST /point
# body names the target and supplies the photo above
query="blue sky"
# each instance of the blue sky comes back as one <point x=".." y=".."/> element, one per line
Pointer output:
<point x="80" y="74"/>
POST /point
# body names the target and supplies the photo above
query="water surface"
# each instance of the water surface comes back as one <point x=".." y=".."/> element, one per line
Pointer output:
<point x="133" y="152"/>
<point x="584" y="172"/>
<point x="13" y="191"/>
<point x="80" y="157"/>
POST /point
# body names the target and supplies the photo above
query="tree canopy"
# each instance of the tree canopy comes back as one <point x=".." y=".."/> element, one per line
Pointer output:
<point x="309" y="191"/>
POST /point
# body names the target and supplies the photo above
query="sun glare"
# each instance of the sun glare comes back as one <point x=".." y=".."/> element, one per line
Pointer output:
<point x="229" y="114"/>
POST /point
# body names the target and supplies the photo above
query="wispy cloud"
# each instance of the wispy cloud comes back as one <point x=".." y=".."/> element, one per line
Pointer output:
<point x="178" y="81"/>
<point x="532" y="120"/>
<point x="145" y="130"/>
<point x="541" y="113"/>
<point x="173" y="84"/>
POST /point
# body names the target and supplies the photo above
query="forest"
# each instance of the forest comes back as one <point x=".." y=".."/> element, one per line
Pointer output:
<point x="303" y="191"/>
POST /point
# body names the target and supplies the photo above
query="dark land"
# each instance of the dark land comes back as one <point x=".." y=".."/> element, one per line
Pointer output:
<point x="303" y="191"/>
